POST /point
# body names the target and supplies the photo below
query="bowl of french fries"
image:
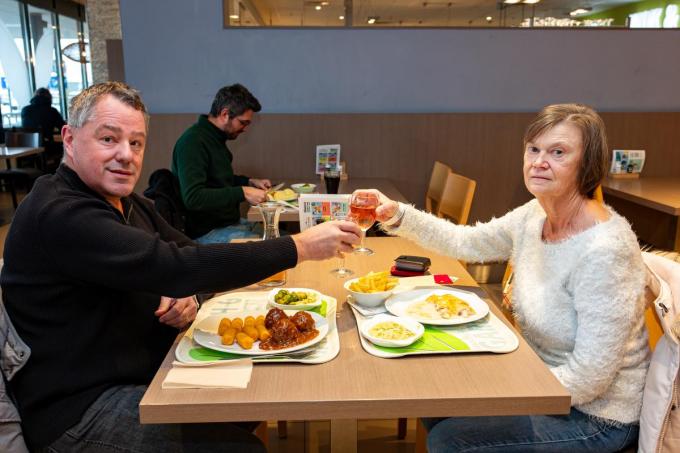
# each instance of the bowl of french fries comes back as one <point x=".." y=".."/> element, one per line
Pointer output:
<point x="372" y="289"/>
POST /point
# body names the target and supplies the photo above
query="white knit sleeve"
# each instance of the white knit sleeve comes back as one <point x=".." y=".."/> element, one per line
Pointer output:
<point x="483" y="242"/>
<point x="608" y="286"/>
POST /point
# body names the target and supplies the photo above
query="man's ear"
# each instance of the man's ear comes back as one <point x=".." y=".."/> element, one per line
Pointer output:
<point x="67" y="138"/>
<point x="224" y="114"/>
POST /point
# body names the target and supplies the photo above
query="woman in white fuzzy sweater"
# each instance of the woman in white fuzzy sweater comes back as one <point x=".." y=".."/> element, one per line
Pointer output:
<point x="577" y="292"/>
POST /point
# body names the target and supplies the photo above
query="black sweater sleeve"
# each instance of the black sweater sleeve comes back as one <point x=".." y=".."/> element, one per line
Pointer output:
<point x="86" y="240"/>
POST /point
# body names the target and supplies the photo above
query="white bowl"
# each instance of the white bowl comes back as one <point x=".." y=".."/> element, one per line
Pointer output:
<point x="410" y="324"/>
<point x="367" y="299"/>
<point x="308" y="306"/>
<point x="303" y="187"/>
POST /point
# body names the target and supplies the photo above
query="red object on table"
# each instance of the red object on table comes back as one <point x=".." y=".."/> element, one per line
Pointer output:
<point x="442" y="279"/>
<point x="402" y="273"/>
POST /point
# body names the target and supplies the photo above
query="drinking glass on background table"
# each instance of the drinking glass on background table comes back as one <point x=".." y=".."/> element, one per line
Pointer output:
<point x="270" y="211"/>
<point x="362" y="212"/>
<point x="332" y="178"/>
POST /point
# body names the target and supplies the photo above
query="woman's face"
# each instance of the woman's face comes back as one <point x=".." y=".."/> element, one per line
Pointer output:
<point x="552" y="161"/>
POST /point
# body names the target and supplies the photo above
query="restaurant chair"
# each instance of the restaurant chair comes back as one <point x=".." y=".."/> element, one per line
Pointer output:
<point x="440" y="172"/>
<point x="23" y="138"/>
<point x="456" y="199"/>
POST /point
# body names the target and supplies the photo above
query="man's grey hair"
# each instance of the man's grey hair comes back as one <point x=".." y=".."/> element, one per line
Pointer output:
<point x="82" y="106"/>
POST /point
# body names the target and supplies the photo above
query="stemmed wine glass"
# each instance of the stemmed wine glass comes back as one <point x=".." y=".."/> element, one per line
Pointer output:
<point x="362" y="212"/>
<point x="342" y="271"/>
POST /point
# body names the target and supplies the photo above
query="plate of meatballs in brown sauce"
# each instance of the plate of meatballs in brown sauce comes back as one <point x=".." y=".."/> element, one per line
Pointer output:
<point x="274" y="332"/>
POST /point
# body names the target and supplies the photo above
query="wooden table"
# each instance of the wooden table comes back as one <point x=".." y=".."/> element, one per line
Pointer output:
<point x="660" y="199"/>
<point x="356" y="385"/>
<point x="346" y="186"/>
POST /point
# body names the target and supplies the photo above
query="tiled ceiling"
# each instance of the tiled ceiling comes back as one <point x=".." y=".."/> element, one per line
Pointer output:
<point x="396" y="13"/>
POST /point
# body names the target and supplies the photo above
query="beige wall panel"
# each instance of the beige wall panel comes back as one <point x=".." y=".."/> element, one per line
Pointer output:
<point x="486" y="147"/>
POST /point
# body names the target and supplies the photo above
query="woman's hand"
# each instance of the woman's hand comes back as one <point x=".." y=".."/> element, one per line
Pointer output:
<point x="386" y="208"/>
<point x="177" y="313"/>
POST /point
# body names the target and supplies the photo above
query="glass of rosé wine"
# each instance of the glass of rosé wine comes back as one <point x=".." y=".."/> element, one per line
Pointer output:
<point x="362" y="212"/>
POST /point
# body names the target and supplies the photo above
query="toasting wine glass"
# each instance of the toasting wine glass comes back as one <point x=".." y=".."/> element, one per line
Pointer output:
<point x="362" y="212"/>
<point x="342" y="271"/>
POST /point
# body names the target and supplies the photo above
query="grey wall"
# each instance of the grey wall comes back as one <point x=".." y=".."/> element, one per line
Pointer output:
<point x="178" y="54"/>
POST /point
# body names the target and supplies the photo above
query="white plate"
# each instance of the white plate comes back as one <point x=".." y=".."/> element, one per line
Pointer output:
<point x="303" y="187"/>
<point x="411" y="324"/>
<point x="399" y="303"/>
<point x="205" y="334"/>
<point x="273" y="292"/>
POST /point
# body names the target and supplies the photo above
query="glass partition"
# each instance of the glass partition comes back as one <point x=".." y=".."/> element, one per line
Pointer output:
<point x="461" y="13"/>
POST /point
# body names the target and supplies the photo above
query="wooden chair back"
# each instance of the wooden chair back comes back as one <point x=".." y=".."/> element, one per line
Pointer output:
<point x="440" y="171"/>
<point x="456" y="199"/>
<point x="598" y="194"/>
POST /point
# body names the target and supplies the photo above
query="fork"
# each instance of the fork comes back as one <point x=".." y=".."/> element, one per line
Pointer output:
<point x="646" y="247"/>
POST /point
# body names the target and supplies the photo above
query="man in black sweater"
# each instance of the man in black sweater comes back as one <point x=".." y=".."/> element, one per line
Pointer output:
<point x="86" y="264"/>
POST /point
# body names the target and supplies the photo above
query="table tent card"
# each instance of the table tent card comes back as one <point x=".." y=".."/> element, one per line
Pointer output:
<point x="327" y="156"/>
<point x="627" y="162"/>
<point x="255" y="302"/>
<point x="318" y="208"/>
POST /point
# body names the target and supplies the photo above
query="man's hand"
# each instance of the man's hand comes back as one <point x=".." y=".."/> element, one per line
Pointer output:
<point x="263" y="184"/>
<point x="327" y="240"/>
<point x="254" y="196"/>
<point x="177" y="312"/>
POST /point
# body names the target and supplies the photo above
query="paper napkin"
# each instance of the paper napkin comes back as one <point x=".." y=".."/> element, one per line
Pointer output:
<point x="227" y="374"/>
<point x="422" y="280"/>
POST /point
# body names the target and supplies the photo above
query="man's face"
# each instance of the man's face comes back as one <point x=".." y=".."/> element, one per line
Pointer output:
<point x="107" y="151"/>
<point x="237" y="124"/>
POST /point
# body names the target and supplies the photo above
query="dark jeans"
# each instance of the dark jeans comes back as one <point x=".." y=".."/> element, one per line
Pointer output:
<point x="111" y="424"/>
<point x="576" y="432"/>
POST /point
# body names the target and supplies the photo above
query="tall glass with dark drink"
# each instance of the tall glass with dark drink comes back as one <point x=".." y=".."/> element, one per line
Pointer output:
<point x="362" y="212"/>
<point x="332" y="178"/>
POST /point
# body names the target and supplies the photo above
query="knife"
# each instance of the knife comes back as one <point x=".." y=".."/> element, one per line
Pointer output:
<point x="275" y="188"/>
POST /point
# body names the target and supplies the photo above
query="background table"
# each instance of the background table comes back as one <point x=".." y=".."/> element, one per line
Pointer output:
<point x="356" y="385"/>
<point x="346" y="186"/>
<point x="651" y="204"/>
<point x="14" y="152"/>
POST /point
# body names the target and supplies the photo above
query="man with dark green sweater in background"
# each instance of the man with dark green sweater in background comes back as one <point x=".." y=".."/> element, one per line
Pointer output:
<point x="202" y="162"/>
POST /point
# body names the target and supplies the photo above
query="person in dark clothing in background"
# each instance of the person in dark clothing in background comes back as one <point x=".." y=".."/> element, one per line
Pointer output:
<point x="202" y="162"/>
<point x="97" y="284"/>
<point x="41" y="116"/>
